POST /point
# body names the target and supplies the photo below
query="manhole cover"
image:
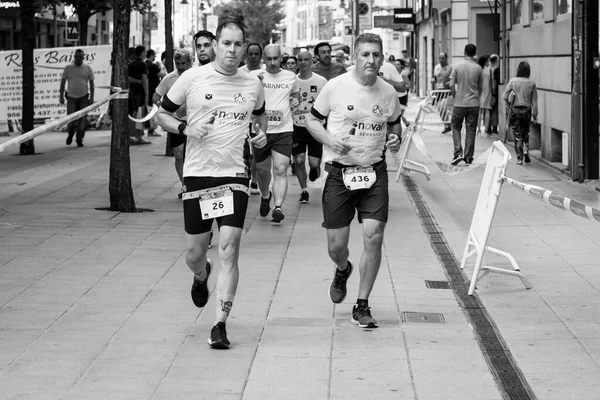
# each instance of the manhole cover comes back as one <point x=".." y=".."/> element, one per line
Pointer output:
<point x="437" y="284"/>
<point x="431" y="318"/>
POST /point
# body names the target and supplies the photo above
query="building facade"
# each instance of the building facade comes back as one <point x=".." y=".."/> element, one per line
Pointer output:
<point x="558" y="38"/>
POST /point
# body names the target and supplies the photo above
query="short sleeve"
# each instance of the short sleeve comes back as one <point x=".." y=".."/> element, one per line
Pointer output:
<point x="160" y="89"/>
<point x="322" y="105"/>
<point x="178" y="91"/>
<point x="91" y="73"/>
<point x="295" y="86"/>
<point x="260" y="100"/>
<point x="397" y="110"/>
<point x="65" y="74"/>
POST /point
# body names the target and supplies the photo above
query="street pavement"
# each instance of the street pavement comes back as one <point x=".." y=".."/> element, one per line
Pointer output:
<point x="95" y="304"/>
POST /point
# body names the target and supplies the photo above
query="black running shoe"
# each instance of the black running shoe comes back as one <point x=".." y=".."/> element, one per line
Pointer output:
<point x="218" y="337"/>
<point x="69" y="139"/>
<point x="303" y="197"/>
<point x="361" y="316"/>
<point x="337" y="290"/>
<point x="265" y="205"/>
<point x="277" y="215"/>
<point x="526" y="158"/>
<point x="200" y="288"/>
<point x="314" y="174"/>
<point x="456" y="160"/>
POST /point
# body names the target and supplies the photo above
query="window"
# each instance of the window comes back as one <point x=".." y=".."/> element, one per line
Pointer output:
<point x="516" y="11"/>
<point x="537" y="10"/>
<point x="564" y="6"/>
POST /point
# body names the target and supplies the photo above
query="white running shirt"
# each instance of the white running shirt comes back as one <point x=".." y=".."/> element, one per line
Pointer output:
<point x="366" y="108"/>
<point x="278" y="89"/>
<point x="309" y="90"/>
<point x="231" y="100"/>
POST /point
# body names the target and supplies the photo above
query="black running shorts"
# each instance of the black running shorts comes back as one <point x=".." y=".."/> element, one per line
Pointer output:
<point x="278" y="142"/>
<point x="340" y="203"/>
<point x="194" y="224"/>
<point x="303" y="139"/>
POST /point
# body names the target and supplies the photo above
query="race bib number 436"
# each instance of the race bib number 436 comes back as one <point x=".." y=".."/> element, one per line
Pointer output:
<point x="216" y="204"/>
<point x="359" y="177"/>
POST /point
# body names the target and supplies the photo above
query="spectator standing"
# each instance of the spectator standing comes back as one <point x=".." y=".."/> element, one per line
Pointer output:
<point x="495" y="67"/>
<point x="441" y="81"/>
<point x="411" y="65"/>
<point x="138" y="91"/>
<point x="521" y="95"/>
<point x="465" y="86"/>
<point x="154" y="76"/>
<point x="485" y="109"/>
<point x="77" y="76"/>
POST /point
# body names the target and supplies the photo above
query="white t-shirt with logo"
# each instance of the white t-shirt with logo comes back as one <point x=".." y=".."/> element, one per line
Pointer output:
<point x="207" y="93"/>
<point x="278" y="88"/>
<point x="163" y="88"/>
<point x="364" y="110"/>
<point x="309" y="90"/>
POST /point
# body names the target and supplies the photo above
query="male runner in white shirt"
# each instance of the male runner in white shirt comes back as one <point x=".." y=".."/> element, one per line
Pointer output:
<point x="220" y="102"/>
<point x="363" y="120"/>
<point x="281" y="94"/>
<point x="310" y="85"/>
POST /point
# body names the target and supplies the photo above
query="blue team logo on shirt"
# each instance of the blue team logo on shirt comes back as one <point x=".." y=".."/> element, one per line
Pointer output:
<point x="239" y="98"/>
<point x="377" y="111"/>
<point x="313" y="88"/>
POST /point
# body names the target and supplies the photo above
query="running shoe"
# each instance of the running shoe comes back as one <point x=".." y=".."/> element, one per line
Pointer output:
<point x="526" y="157"/>
<point x="456" y="160"/>
<point x="337" y="290"/>
<point x="265" y="205"/>
<point x="79" y="143"/>
<point x="468" y="161"/>
<point x="361" y="316"/>
<point x="277" y="215"/>
<point x="519" y="162"/>
<point x="303" y="197"/>
<point x="200" y="288"/>
<point x="70" y="139"/>
<point x="254" y="188"/>
<point x="314" y="174"/>
<point x="218" y="337"/>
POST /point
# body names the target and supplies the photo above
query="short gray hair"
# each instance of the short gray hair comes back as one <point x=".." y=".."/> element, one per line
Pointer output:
<point x="182" y="53"/>
<point x="368" y="38"/>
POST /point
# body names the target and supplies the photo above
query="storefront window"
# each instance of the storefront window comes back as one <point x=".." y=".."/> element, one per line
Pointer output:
<point x="517" y="5"/>
<point x="564" y="6"/>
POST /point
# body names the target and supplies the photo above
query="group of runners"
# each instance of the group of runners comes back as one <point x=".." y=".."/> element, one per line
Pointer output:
<point x="238" y="128"/>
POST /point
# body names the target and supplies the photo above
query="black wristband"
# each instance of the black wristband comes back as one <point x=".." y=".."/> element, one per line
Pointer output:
<point x="181" y="127"/>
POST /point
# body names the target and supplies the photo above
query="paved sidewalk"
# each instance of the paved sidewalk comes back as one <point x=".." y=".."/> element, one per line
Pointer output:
<point x="95" y="304"/>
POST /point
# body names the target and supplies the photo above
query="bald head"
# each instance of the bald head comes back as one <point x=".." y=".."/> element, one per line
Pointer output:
<point x="305" y="62"/>
<point x="272" y="57"/>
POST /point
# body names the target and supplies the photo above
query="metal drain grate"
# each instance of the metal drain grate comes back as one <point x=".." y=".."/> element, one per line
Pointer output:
<point x="431" y="318"/>
<point x="437" y="284"/>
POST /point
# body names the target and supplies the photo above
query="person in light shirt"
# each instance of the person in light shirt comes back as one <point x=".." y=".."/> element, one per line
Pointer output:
<point x="220" y="102"/>
<point x="310" y="85"/>
<point x="281" y="94"/>
<point x="363" y="114"/>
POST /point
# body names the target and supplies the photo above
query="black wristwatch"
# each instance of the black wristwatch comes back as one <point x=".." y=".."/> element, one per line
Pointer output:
<point x="181" y="127"/>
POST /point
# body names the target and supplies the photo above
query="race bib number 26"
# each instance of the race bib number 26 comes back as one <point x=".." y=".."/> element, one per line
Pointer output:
<point x="216" y="204"/>
<point x="359" y="177"/>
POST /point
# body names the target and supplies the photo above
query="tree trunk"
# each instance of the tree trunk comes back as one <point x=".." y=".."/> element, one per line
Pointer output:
<point x="27" y="45"/>
<point x="169" y="34"/>
<point x="83" y="27"/>
<point x="169" y="50"/>
<point x="119" y="184"/>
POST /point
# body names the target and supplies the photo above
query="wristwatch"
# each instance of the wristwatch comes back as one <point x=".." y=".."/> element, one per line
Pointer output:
<point x="182" y="127"/>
